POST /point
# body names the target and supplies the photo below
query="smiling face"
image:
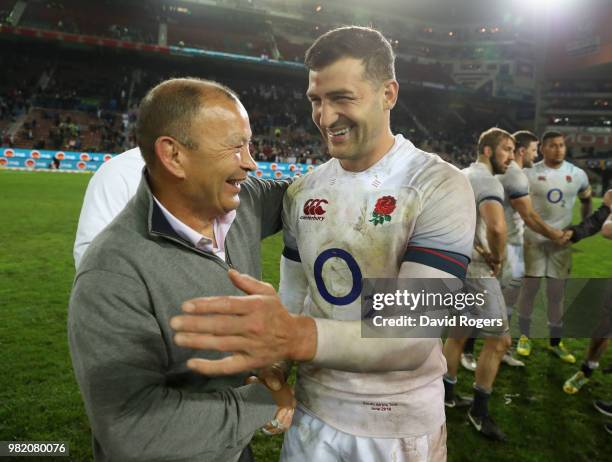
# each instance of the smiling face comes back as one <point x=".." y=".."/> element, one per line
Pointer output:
<point x="221" y="159"/>
<point x="352" y="112"/>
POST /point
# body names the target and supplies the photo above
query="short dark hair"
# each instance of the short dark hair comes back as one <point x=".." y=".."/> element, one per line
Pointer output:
<point x="551" y="134"/>
<point x="169" y="108"/>
<point x="523" y="139"/>
<point x="492" y="137"/>
<point x="363" y="43"/>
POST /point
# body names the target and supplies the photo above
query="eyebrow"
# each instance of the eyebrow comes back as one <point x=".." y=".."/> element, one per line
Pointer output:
<point x="331" y="94"/>
<point x="238" y="139"/>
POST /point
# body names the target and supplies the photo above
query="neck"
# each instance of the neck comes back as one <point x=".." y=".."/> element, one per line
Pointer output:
<point x="197" y="220"/>
<point x="554" y="165"/>
<point x="486" y="162"/>
<point x="365" y="162"/>
<point x="519" y="161"/>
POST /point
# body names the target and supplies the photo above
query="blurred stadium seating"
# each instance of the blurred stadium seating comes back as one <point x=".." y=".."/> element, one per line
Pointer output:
<point x="79" y="73"/>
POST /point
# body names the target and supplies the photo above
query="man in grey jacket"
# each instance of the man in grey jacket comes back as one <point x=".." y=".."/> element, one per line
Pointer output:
<point x="175" y="240"/>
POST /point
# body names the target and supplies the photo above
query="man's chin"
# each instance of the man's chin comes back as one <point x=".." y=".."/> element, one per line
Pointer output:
<point x="338" y="152"/>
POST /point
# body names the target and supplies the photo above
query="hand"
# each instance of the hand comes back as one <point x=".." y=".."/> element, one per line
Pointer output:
<point x="494" y="264"/>
<point x="256" y="328"/>
<point x="283" y="396"/>
<point x="566" y="235"/>
<point x="607" y="198"/>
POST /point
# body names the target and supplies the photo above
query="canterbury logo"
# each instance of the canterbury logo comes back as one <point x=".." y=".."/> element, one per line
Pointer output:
<point x="313" y="209"/>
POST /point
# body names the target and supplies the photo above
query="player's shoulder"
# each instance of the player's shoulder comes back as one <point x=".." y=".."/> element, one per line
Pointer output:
<point x="428" y="170"/>
<point x="483" y="181"/>
<point x="514" y="175"/>
<point x="316" y="178"/>
<point x="571" y="168"/>
<point x="535" y="170"/>
<point x="127" y="163"/>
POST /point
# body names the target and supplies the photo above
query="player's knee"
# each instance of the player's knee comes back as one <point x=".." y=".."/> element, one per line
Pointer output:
<point x="500" y="345"/>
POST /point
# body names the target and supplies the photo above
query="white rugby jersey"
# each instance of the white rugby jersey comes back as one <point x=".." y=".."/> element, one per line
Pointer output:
<point x="515" y="185"/>
<point x="553" y="193"/>
<point x="344" y="226"/>
<point x="486" y="187"/>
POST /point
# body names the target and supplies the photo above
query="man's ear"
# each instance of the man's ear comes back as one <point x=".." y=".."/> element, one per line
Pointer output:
<point x="487" y="152"/>
<point x="170" y="156"/>
<point x="391" y="91"/>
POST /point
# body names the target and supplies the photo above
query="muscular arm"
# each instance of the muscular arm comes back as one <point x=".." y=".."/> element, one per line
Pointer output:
<point x="586" y="204"/>
<point x="340" y="345"/>
<point x="532" y="219"/>
<point x="492" y="213"/>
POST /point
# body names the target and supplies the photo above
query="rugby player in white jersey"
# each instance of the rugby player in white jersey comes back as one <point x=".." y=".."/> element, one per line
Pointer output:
<point x="519" y="211"/>
<point x="554" y="185"/>
<point x="495" y="152"/>
<point x="380" y="208"/>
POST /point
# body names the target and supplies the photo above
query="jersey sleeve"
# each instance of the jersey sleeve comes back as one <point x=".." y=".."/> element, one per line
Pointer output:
<point x="515" y="183"/>
<point x="290" y="248"/>
<point x="444" y="229"/>
<point x="584" y="181"/>
<point x="489" y="189"/>
<point x="293" y="285"/>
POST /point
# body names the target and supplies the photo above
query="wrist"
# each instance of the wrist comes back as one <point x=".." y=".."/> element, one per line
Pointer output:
<point x="305" y="335"/>
<point x="554" y="234"/>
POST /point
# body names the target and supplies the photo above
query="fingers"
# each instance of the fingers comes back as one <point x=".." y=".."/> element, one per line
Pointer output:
<point x="216" y="325"/>
<point x="249" y="284"/>
<point x="225" y="366"/>
<point x="273" y="378"/>
<point x="284" y="397"/>
<point x="252" y="379"/>
<point x="218" y="305"/>
<point x="281" y="422"/>
<point x="225" y="344"/>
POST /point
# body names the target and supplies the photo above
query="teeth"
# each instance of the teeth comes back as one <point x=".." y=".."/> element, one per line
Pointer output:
<point x="340" y="132"/>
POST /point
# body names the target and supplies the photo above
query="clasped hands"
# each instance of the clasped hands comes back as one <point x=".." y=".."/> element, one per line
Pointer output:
<point x="274" y="379"/>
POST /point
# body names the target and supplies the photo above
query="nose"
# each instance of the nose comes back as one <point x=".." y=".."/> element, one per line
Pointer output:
<point x="327" y="115"/>
<point x="246" y="160"/>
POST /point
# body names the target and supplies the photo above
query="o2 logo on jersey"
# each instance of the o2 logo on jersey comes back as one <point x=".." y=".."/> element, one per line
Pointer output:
<point x="313" y="209"/>
<point x="355" y="291"/>
<point x="554" y="196"/>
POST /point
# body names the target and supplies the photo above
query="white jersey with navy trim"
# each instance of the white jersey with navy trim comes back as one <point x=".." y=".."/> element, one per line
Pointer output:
<point x="345" y="226"/>
<point x="553" y="193"/>
<point x="486" y="187"/>
<point x="516" y="185"/>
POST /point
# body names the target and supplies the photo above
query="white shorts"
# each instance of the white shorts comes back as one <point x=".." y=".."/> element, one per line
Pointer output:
<point x="514" y="266"/>
<point x="494" y="309"/>
<point x="311" y="439"/>
<point x="547" y="259"/>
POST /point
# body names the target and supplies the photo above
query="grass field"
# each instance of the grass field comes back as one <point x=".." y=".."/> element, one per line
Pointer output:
<point x="39" y="398"/>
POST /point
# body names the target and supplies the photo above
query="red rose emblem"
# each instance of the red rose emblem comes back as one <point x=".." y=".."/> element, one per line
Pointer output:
<point x="385" y="205"/>
<point x="568" y="179"/>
